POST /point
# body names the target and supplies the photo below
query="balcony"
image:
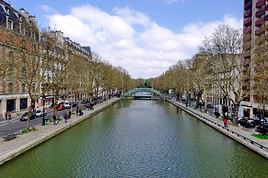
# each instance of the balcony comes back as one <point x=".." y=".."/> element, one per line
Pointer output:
<point x="247" y="53"/>
<point x="246" y="38"/>
<point x="246" y="46"/>
<point x="247" y="30"/>
<point x="248" y="13"/>
<point x="246" y="63"/>
<point x="260" y="3"/>
<point x="260" y="40"/>
<point x="266" y="17"/>
<point x="260" y="12"/>
<point x="247" y="21"/>
<point x="260" y="31"/>
<point x="248" y="5"/>
<point x="259" y="22"/>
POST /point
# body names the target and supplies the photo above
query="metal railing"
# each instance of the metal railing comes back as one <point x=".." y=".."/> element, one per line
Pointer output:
<point x="225" y="128"/>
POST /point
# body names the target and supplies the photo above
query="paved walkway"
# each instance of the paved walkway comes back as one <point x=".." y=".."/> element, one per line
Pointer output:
<point x="11" y="149"/>
<point x="238" y="133"/>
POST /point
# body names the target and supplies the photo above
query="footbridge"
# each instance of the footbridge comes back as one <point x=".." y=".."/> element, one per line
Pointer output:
<point x="152" y="93"/>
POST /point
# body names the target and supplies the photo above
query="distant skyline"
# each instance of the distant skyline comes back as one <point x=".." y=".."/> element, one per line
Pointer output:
<point x="143" y="36"/>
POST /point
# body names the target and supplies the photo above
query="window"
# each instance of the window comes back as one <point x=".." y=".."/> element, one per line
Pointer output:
<point x="9" y="24"/>
<point x="11" y="105"/>
<point x="23" y="103"/>
<point x="22" y="30"/>
<point x="10" y="88"/>
<point x="10" y="64"/>
<point x="23" y="72"/>
<point x="23" y="88"/>
<point x="7" y="10"/>
<point x="11" y="58"/>
<point x="48" y="79"/>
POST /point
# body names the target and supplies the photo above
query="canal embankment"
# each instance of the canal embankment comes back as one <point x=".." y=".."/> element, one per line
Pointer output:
<point x="239" y="134"/>
<point x="24" y="142"/>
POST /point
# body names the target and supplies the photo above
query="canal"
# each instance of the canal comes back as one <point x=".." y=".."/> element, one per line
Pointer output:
<point x="138" y="139"/>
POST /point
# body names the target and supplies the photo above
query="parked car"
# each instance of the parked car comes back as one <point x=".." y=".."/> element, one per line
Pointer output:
<point x="85" y="102"/>
<point x="66" y="105"/>
<point x="259" y="120"/>
<point x="27" y="115"/>
<point x="246" y="122"/>
<point x="39" y="113"/>
<point x="263" y="128"/>
<point x="60" y="107"/>
<point x="74" y="105"/>
<point x="210" y="105"/>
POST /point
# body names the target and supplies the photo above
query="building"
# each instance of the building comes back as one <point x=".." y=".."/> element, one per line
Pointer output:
<point x="254" y="72"/>
<point x="14" y="25"/>
<point x="217" y="85"/>
<point x="79" y="55"/>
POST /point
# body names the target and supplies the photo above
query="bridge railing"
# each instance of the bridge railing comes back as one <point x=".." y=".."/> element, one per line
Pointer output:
<point x="136" y="90"/>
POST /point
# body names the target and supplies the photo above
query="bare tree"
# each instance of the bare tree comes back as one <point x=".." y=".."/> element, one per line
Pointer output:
<point x="57" y="54"/>
<point x="224" y="62"/>
<point x="30" y="68"/>
<point x="261" y="77"/>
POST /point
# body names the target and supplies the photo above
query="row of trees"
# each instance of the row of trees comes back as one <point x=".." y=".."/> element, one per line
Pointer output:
<point x="217" y="66"/>
<point x="51" y="66"/>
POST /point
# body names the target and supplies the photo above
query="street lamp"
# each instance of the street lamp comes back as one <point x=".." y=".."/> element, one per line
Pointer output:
<point x="43" y="115"/>
<point x="43" y="100"/>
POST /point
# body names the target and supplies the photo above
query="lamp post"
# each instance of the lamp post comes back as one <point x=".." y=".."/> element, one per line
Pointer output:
<point x="43" y="100"/>
<point x="43" y="115"/>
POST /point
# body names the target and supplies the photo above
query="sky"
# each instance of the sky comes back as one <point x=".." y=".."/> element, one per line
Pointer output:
<point x="143" y="36"/>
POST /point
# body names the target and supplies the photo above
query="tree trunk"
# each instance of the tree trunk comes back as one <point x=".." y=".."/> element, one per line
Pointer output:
<point x="31" y="109"/>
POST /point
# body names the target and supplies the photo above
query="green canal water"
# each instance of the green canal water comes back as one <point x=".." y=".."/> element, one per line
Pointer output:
<point x="138" y="139"/>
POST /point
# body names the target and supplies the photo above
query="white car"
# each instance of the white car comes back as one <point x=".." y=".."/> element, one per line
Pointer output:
<point x="67" y="105"/>
<point x="39" y="113"/>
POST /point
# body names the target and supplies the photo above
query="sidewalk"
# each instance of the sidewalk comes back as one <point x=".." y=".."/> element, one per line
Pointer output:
<point x="238" y="133"/>
<point x="13" y="148"/>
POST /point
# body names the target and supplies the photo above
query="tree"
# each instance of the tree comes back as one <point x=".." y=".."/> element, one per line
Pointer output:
<point x="30" y="67"/>
<point x="199" y="76"/>
<point x="224" y="49"/>
<point x="261" y="76"/>
<point x="56" y="54"/>
<point x="3" y="67"/>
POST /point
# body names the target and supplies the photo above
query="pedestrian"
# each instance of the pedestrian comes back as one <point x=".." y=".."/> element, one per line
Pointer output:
<point x="77" y="111"/>
<point x="9" y="116"/>
<point x="65" y="117"/>
<point x="80" y="112"/>
<point x="54" y="119"/>
<point x="6" y="115"/>
<point x="225" y="120"/>
<point x="70" y="115"/>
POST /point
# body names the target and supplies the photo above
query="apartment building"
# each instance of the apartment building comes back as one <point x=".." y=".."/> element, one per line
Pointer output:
<point x="14" y="25"/>
<point x="19" y="32"/>
<point x="255" y="36"/>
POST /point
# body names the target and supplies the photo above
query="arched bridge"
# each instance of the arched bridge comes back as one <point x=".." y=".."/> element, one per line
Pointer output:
<point x="153" y="91"/>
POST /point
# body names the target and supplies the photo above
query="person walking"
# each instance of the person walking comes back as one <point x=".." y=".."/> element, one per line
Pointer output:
<point x="54" y="119"/>
<point x="69" y="115"/>
<point x="225" y="120"/>
<point x="65" y="117"/>
<point x="6" y="115"/>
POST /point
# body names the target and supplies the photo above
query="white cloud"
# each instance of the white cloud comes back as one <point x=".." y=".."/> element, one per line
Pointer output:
<point x="144" y="52"/>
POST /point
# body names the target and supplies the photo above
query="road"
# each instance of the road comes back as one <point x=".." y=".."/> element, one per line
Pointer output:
<point x="14" y="125"/>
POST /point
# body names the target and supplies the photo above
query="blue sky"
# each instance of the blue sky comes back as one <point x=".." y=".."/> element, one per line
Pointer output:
<point x="155" y="29"/>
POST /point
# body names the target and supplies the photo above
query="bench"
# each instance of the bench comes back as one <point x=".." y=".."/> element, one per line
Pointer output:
<point x="9" y="137"/>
